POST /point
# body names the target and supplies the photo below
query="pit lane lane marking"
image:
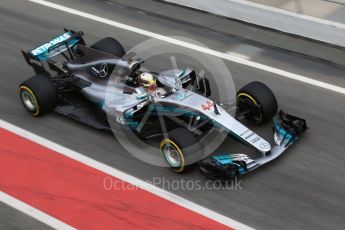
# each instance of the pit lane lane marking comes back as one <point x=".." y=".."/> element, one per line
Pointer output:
<point x="226" y="56"/>
<point x="33" y="212"/>
<point x="180" y="201"/>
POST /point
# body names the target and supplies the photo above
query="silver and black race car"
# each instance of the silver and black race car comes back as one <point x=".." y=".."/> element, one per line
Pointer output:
<point x="101" y="86"/>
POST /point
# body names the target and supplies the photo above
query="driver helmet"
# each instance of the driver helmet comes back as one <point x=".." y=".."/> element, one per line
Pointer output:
<point x="147" y="81"/>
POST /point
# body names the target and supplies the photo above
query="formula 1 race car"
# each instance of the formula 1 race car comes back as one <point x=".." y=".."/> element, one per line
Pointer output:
<point x="83" y="88"/>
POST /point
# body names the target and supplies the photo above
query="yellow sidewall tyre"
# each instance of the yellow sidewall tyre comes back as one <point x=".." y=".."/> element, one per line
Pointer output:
<point x="181" y="150"/>
<point x="262" y="100"/>
<point x="38" y="95"/>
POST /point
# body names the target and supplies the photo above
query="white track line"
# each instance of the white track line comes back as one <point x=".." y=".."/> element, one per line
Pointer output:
<point x="118" y="174"/>
<point x="229" y="57"/>
<point x="33" y="212"/>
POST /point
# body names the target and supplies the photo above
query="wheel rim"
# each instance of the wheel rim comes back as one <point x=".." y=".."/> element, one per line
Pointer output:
<point x="255" y="116"/>
<point x="29" y="101"/>
<point x="172" y="155"/>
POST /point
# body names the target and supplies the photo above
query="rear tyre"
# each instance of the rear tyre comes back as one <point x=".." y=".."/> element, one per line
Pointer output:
<point x="38" y="95"/>
<point x="180" y="149"/>
<point x="111" y="46"/>
<point x="257" y="98"/>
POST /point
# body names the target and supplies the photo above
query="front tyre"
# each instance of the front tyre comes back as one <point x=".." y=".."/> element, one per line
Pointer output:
<point x="257" y="102"/>
<point x="38" y="95"/>
<point x="180" y="149"/>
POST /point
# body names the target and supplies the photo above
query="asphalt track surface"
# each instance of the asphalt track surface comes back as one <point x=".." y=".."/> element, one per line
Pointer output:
<point x="304" y="189"/>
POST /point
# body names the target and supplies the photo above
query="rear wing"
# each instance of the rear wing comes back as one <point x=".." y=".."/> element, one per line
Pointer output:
<point x="58" y="45"/>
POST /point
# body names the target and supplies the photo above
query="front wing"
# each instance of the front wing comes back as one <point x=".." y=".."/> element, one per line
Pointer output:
<point x="287" y="130"/>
